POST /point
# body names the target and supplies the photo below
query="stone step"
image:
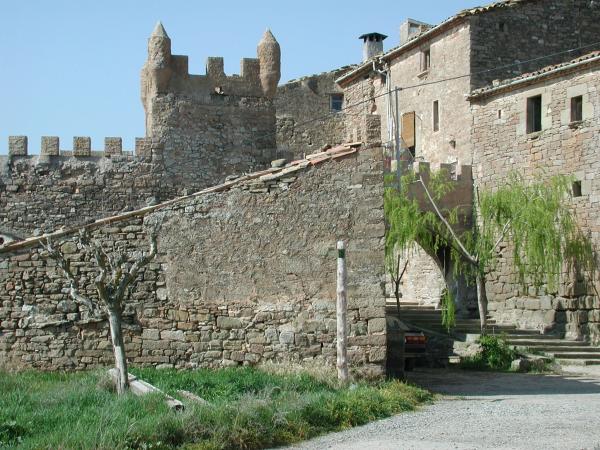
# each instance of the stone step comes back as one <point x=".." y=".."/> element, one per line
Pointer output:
<point x="573" y="355"/>
<point x="547" y="343"/>
<point x="554" y="349"/>
<point x="530" y="334"/>
<point x="578" y="362"/>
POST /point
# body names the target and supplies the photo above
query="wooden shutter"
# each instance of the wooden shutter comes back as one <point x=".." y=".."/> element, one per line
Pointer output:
<point x="408" y="129"/>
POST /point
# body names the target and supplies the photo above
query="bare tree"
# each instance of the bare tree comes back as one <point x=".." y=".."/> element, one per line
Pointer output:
<point x="115" y="274"/>
<point x="393" y="264"/>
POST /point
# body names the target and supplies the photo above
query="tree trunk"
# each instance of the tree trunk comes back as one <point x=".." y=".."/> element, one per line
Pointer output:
<point x="116" y="335"/>
<point x="482" y="301"/>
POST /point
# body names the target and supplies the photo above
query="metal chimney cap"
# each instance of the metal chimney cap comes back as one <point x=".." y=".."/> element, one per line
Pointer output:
<point x="372" y="37"/>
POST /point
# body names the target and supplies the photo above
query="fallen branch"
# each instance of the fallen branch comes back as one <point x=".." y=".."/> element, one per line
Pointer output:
<point x="140" y="388"/>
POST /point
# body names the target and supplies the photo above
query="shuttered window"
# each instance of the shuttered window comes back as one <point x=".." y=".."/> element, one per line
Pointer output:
<point x="408" y="129"/>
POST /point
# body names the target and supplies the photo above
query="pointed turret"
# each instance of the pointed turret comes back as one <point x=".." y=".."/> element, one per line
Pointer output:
<point x="159" y="47"/>
<point x="269" y="55"/>
<point x="159" y="31"/>
<point x="157" y="72"/>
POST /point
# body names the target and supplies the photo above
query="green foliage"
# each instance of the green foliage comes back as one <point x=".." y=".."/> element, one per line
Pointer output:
<point x="495" y="354"/>
<point x="535" y="218"/>
<point x="249" y="409"/>
<point x="542" y="229"/>
<point x="448" y="310"/>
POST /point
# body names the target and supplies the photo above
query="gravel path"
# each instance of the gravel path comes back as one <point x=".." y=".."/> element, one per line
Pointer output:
<point x="486" y="411"/>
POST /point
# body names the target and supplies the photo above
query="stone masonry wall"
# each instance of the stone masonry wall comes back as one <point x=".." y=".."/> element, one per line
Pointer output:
<point x="42" y="193"/>
<point x="528" y="30"/>
<point x="305" y="120"/>
<point x="242" y="277"/>
<point x="562" y="147"/>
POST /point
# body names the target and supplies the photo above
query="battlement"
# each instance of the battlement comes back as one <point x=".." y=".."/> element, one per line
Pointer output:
<point x="164" y="73"/>
<point x="82" y="147"/>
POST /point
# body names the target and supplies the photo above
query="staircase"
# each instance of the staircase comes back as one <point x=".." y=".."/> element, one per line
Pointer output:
<point x="563" y="351"/>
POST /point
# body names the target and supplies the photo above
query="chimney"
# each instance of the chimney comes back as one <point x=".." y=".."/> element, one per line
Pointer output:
<point x="372" y="45"/>
<point x="411" y="28"/>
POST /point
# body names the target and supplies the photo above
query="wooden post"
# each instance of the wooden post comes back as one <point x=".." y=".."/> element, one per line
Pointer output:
<point x="341" y="312"/>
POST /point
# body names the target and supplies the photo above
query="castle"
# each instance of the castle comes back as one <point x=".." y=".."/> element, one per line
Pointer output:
<point x="245" y="271"/>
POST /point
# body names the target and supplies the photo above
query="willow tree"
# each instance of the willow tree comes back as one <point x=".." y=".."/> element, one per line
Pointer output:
<point x="115" y="274"/>
<point x="535" y="218"/>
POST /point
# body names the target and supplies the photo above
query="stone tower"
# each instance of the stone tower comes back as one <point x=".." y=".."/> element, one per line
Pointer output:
<point x="210" y="125"/>
<point x="269" y="55"/>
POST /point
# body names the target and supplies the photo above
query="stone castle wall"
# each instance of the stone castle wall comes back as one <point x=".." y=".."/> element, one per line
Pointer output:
<point x="241" y="277"/>
<point x="305" y="120"/>
<point x="562" y="147"/>
<point x="41" y="193"/>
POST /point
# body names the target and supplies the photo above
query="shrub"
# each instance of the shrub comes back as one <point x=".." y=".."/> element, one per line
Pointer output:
<point x="495" y="354"/>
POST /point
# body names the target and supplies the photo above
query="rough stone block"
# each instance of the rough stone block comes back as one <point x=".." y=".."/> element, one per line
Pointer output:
<point x="82" y="146"/>
<point x="143" y="147"/>
<point x="17" y="146"/>
<point x="172" y="335"/>
<point x="50" y="146"/>
<point x="377" y="325"/>
<point x="286" y="337"/>
<point x="113" y="146"/>
<point x="228" y="323"/>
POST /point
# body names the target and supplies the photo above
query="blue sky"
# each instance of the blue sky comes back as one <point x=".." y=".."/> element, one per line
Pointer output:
<point x="71" y="68"/>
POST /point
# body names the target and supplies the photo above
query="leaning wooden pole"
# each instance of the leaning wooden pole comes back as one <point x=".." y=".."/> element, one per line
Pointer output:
<point x="342" y="308"/>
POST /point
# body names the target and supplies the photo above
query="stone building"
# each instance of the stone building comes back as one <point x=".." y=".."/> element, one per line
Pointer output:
<point x="436" y="67"/>
<point x="541" y="124"/>
<point x="423" y="85"/>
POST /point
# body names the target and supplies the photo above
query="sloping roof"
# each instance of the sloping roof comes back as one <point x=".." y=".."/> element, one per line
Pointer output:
<point x="254" y="182"/>
<point x="420" y="38"/>
<point x="581" y="62"/>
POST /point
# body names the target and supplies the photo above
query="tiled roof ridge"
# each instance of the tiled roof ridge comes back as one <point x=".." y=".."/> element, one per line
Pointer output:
<point x="553" y="69"/>
<point x="266" y="176"/>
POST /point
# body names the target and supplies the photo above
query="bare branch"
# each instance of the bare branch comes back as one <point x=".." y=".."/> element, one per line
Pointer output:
<point x="504" y="230"/>
<point x="57" y="256"/>
<point x="462" y="248"/>
<point x="131" y="275"/>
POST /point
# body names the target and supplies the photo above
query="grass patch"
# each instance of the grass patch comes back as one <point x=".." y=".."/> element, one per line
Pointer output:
<point x="249" y="409"/>
<point x="495" y="354"/>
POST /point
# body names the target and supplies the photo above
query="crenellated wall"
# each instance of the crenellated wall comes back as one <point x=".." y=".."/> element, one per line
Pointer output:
<point x="62" y="188"/>
<point x="211" y="125"/>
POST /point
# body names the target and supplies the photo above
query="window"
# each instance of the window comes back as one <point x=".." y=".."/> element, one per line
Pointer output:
<point x="576" y="108"/>
<point x="408" y="131"/>
<point x="425" y="60"/>
<point x="436" y="116"/>
<point x="577" y="189"/>
<point x="534" y="114"/>
<point x="499" y="114"/>
<point x="501" y="27"/>
<point x="336" y="101"/>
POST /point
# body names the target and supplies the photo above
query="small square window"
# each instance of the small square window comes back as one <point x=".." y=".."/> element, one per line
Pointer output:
<point x="336" y="102"/>
<point x="436" y="116"/>
<point x="425" y="60"/>
<point x="534" y="114"/>
<point x="576" y="108"/>
<point x="577" y="189"/>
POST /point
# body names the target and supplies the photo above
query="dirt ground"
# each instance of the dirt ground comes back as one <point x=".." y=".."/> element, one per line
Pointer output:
<point x="480" y="410"/>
